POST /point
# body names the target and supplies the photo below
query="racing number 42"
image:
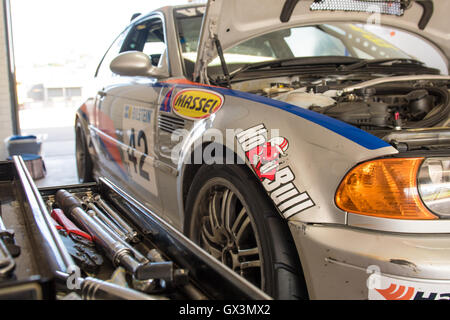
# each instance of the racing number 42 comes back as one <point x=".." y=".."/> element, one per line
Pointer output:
<point x="141" y="140"/>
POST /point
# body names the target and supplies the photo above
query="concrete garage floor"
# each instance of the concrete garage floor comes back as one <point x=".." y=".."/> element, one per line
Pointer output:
<point x="59" y="157"/>
<point x="58" y="150"/>
<point x="55" y="127"/>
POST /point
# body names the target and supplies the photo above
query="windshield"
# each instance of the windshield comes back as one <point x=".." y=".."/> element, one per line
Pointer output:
<point x="321" y="40"/>
<point x="340" y="39"/>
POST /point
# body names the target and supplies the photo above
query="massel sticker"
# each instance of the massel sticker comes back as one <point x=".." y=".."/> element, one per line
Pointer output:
<point x="197" y="104"/>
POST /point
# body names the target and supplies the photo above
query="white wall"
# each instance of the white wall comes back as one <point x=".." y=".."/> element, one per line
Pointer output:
<point x="6" y="128"/>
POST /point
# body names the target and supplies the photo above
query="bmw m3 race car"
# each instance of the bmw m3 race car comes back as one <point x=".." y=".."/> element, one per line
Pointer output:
<point x="295" y="141"/>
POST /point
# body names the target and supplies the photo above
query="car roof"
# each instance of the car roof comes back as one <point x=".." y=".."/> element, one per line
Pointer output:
<point x="165" y="10"/>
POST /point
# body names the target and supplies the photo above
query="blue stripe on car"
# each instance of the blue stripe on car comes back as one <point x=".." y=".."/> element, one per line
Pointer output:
<point x="352" y="133"/>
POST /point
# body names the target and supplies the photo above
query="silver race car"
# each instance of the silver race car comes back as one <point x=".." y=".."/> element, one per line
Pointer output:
<point x="289" y="139"/>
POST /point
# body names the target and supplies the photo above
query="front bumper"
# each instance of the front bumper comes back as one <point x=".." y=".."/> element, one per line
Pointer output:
<point x="341" y="262"/>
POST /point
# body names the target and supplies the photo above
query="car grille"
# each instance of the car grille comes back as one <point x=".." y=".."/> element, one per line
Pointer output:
<point x="170" y="124"/>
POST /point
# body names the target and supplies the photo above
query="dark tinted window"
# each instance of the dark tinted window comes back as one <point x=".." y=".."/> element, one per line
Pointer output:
<point x="189" y="22"/>
<point x="147" y="37"/>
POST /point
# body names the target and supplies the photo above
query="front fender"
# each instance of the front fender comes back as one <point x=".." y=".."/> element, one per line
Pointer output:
<point x="314" y="152"/>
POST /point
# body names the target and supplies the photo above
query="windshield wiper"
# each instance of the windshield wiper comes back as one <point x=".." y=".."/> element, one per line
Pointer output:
<point x="392" y="61"/>
<point x="331" y="63"/>
<point x="296" y="62"/>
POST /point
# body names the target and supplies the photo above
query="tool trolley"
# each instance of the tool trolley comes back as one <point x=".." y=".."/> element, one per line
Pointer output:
<point x="96" y="242"/>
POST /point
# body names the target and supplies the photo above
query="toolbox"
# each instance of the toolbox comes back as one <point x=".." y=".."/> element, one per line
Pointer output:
<point x="95" y="241"/>
<point x="20" y="145"/>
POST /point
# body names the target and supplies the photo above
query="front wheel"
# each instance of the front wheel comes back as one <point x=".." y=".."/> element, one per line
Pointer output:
<point x="231" y="218"/>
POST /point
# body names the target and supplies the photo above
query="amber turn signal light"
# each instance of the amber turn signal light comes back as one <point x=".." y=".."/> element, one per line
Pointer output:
<point x="385" y="188"/>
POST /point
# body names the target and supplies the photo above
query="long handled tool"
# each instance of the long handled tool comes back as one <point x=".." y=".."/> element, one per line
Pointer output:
<point x="95" y="289"/>
<point x="97" y="212"/>
<point x="129" y="231"/>
<point x="116" y="249"/>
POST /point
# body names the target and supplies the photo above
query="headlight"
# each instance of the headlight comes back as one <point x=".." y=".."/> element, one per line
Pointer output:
<point x="385" y="188"/>
<point x="434" y="185"/>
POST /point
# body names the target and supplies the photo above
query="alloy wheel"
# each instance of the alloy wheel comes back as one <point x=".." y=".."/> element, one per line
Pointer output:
<point x="228" y="234"/>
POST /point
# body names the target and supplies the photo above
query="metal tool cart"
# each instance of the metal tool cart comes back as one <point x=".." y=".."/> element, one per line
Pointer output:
<point x="95" y="242"/>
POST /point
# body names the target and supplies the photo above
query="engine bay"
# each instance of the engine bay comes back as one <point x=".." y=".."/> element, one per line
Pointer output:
<point x="402" y="113"/>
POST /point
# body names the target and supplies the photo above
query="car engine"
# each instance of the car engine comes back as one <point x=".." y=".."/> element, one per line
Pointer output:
<point x="410" y="115"/>
<point x="391" y="108"/>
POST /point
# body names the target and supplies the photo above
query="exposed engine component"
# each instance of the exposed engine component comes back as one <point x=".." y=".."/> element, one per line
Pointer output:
<point x="307" y="100"/>
<point x="420" y="104"/>
<point x="407" y="140"/>
<point x="277" y="88"/>
<point x="382" y="106"/>
<point x="360" y="113"/>
<point x="391" y="108"/>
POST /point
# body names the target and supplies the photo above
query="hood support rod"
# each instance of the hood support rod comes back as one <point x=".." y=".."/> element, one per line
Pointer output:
<point x="226" y="73"/>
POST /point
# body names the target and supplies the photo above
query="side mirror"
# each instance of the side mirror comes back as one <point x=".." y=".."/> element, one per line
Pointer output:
<point x="136" y="63"/>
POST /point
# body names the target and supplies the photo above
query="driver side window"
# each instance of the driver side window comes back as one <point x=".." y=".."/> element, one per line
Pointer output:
<point x="103" y="70"/>
<point x="148" y="37"/>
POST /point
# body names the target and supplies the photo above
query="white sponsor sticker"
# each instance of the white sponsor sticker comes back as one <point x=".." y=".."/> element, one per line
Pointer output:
<point x="138" y="140"/>
<point x="267" y="158"/>
<point x="382" y="287"/>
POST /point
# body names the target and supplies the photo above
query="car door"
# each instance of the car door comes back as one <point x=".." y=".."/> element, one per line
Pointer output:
<point x="134" y="110"/>
<point x="127" y="117"/>
<point x="103" y="129"/>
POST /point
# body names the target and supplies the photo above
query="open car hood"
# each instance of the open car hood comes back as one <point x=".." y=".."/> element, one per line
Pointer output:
<point x="234" y="21"/>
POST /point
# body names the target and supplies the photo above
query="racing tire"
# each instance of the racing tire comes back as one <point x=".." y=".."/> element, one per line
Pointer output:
<point x="229" y="215"/>
<point x="83" y="158"/>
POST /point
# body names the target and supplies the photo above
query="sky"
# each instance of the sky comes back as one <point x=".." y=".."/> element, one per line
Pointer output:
<point x="51" y="31"/>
